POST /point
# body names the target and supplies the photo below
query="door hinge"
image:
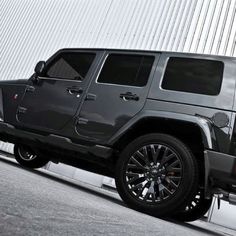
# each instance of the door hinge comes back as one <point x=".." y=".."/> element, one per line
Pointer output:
<point x="22" y="110"/>
<point x="91" y="97"/>
<point x="82" y="121"/>
<point x="30" y="88"/>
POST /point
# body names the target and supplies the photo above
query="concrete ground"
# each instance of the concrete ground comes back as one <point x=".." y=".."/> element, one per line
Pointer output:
<point x="41" y="203"/>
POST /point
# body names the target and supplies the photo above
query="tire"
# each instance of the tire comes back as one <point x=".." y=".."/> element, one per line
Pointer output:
<point x="156" y="174"/>
<point x="27" y="157"/>
<point x="196" y="209"/>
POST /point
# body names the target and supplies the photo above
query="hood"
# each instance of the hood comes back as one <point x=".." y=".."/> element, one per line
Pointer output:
<point x="13" y="82"/>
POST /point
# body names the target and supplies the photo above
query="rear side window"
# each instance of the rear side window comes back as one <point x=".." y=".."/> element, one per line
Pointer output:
<point x="193" y="76"/>
<point x="71" y="66"/>
<point x="131" y="70"/>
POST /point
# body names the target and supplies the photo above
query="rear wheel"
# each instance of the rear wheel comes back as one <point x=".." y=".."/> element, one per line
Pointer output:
<point x="27" y="157"/>
<point x="156" y="174"/>
<point x="196" y="209"/>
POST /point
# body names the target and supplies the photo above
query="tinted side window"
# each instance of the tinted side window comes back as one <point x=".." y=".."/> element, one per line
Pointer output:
<point x="193" y="76"/>
<point x="132" y="70"/>
<point x="70" y="65"/>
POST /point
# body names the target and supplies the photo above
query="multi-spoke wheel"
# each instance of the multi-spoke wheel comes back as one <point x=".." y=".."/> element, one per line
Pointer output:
<point x="195" y="209"/>
<point x="28" y="157"/>
<point x="153" y="173"/>
<point x="156" y="173"/>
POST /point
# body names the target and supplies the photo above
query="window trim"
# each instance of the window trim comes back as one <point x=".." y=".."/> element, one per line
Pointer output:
<point x="128" y="54"/>
<point x="185" y="92"/>
<point x="54" y="78"/>
<point x="66" y="79"/>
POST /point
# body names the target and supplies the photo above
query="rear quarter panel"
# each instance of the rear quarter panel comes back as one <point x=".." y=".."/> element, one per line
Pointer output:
<point x="197" y="104"/>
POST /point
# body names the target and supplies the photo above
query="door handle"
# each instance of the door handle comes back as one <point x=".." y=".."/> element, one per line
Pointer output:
<point x="74" y="90"/>
<point x="129" y="96"/>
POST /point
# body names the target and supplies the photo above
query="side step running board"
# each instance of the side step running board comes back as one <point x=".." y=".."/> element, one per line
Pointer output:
<point x="55" y="140"/>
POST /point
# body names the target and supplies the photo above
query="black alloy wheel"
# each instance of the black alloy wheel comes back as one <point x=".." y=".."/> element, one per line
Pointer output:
<point x="29" y="158"/>
<point x="153" y="173"/>
<point x="156" y="174"/>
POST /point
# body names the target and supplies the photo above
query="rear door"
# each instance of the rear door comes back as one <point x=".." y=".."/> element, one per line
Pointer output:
<point x="52" y="102"/>
<point x="116" y="94"/>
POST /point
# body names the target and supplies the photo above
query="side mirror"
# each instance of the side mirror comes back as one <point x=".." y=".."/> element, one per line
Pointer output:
<point x="40" y="68"/>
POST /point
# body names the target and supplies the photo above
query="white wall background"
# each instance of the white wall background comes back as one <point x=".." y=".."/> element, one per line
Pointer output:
<point x="33" y="30"/>
<point x="226" y="216"/>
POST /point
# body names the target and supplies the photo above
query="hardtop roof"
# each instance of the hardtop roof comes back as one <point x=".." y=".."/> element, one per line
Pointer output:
<point x="175" y="53"/>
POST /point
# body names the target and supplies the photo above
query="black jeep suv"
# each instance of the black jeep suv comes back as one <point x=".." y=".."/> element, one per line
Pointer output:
<point x="161" y="123"/>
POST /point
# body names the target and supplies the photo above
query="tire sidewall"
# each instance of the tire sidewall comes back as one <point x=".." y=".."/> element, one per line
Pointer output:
<point x="197" y="212"/>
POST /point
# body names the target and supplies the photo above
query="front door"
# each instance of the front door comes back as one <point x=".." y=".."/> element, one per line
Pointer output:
<point x="51" y="103"/>
<point x="116" y="94"/>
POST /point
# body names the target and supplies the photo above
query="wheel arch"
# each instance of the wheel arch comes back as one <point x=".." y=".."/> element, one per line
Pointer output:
<point x="175" y="124"/>
<point x="195" y="132"/>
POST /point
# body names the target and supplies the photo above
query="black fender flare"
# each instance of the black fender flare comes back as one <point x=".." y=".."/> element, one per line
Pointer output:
<point x="204" y="124"/>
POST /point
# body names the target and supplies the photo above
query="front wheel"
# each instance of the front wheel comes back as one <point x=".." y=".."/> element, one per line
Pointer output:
<point x="27" y="157"/>
<point x="156" y="174"/>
